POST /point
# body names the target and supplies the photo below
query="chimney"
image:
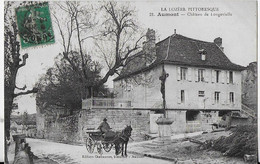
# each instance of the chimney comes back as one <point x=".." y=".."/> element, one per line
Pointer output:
<point x="149" y="47"/>
<point x="218" y="42"/>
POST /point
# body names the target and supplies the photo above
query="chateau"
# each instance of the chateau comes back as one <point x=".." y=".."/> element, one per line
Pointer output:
<point x="202" y="83"/>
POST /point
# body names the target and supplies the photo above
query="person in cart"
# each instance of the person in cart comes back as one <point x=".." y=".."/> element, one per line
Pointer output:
<point x="104" y="126"/>
<point x="106" y="131"/>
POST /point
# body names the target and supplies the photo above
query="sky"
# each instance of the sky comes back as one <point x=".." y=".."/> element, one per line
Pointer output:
<point x="237" y="30"/>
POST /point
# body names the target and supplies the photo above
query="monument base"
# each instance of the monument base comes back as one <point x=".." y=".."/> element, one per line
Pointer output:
<point x="164" y="126"/>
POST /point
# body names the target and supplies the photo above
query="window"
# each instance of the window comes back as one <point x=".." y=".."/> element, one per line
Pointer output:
<point x="216" y="97"/>
<point x="217" y="76"/>
<point x="183" y="73"/>
<point x="203" y="57"/>
<point x="200" y="75"/>
<point x="201" y="93"/>
<point x="230" y="77"/>
<point x="182" y="96"/>
<point x="231" y="97"/>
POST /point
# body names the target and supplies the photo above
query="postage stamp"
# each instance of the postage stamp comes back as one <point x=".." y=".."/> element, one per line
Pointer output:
<point x="34" y="25"/>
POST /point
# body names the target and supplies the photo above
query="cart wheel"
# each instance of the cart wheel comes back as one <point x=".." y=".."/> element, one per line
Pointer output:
<point x="90" y="145"/>
<point x="107" y="146"/>
<point x="99" y="148"/>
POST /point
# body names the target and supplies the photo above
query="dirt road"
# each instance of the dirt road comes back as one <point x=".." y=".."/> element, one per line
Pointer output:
<point x="72" y="154"/>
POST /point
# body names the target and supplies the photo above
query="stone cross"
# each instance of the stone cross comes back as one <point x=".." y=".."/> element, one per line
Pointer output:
<point x="163" y="79"/>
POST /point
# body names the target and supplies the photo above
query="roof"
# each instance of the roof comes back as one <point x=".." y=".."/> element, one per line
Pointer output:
<point x="182" y="51"/>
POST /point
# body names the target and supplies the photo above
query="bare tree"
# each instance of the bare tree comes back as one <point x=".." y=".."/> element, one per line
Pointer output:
<point x="120" y="30"/>
<point x="80" y="20"/>
<point x="115" y="41"/>
<point x="13" y="61"/>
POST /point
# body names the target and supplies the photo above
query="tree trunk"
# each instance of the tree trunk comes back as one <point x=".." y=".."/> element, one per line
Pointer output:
<point x="8" y="110"/>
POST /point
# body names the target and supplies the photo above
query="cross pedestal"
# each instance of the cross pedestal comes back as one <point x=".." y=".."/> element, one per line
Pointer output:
<point x="164" y="125"/>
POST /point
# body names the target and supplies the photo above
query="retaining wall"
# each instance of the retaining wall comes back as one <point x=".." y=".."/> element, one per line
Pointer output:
<point x="63" y="129"/>
<point x="73" y="128"/>
<point x="117" y="119"/>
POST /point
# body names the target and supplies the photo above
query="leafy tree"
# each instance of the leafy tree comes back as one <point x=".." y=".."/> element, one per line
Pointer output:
<point x="61" y="87"/>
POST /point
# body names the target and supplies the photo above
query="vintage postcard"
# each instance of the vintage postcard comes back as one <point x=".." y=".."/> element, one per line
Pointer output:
<point x="130" y="81"/>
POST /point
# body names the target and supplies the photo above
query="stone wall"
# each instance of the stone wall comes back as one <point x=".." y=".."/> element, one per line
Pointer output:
<point x="203" y="122"/>
<point x="40" y="122"/>
<point x="73" y="128"/>
<point x="117" y="119"/>
<point x="63" y="129"/>
<point x="179" y="120"/>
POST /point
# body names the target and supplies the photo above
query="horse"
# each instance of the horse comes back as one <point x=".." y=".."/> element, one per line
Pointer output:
<point x="123" y="138"/>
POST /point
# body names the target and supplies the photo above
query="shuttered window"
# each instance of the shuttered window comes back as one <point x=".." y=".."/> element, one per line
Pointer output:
<point x="183" y="73"/>
<point x="231" y="77"/>
<point x="231" y="97"/>
<point x="201" y="75"/>
<point x="217" y="75"/>
<point x="217" y="97"/>
<point x="182" y="96"/>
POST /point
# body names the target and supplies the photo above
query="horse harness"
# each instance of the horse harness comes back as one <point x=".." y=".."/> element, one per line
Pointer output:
<point x="124" y="136"/>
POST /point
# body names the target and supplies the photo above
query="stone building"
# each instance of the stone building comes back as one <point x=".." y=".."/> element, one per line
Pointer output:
<point x="202" y="83"/>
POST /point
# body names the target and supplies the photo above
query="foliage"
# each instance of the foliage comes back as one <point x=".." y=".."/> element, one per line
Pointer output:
<point x="242" y="141"/>
<point x="60" y="86"/>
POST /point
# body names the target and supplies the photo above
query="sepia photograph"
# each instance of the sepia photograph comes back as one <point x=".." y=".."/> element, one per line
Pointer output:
<point x="130" y="82"/>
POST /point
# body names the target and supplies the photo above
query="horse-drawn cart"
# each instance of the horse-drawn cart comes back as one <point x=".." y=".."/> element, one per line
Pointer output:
<point x="118" y="140"/>
<point x="95" y="138"/>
